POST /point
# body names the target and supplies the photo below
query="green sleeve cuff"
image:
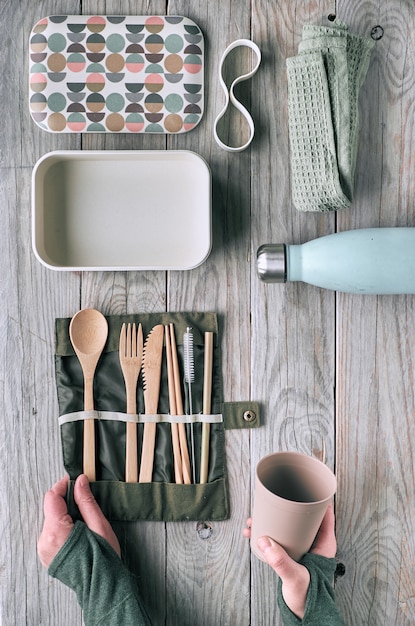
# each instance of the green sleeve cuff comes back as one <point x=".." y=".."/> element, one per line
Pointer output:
<point x="104" y="588"/>
<point x="320" y="609"/>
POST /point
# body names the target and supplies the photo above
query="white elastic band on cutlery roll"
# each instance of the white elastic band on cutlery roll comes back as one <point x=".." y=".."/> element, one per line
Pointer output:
<point x="230" y="95"/>
<point x="140" y="419"/>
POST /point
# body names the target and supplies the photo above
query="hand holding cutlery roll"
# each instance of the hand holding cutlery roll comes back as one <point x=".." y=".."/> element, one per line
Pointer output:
<point x="88" y="331"/>
<point x="153" y="352"/>
<point x="131" y="356"/>
<point x="207" y="393"/>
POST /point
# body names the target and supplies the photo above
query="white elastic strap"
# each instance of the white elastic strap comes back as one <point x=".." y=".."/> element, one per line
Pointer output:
<point x="141" y="418"/>
<point x="230" y="96"/>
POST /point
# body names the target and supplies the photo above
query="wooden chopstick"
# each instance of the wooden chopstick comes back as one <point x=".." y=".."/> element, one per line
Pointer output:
<point x="178" y="474"/>
<point x="207" y="401"/>
<point x="179" y="407"/>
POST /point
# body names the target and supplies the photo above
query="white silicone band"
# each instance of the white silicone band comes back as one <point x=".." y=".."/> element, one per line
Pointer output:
<point x="230" y="95"/>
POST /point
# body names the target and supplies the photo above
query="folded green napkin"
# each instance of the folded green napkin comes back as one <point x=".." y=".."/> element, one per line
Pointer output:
<point x="324" y="81"/>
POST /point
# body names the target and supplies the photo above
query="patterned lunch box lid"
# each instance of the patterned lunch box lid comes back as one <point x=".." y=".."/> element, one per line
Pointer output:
<point x="117" y="74"/>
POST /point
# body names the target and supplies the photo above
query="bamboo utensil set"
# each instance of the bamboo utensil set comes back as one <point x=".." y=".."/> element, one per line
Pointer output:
<point x="88" y="333"/>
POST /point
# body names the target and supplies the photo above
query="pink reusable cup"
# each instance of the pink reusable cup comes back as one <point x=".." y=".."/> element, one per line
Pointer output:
<point x="292" y="493"/>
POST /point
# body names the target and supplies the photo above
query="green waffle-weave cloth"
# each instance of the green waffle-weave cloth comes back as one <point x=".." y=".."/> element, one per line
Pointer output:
<point x="324" y="81"/>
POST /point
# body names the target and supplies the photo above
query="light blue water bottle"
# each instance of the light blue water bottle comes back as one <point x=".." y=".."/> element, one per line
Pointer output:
<point x="366" y="261"/>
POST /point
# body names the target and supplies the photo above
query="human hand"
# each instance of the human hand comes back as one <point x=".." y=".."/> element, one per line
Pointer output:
<point x="295" y="577"/>
<point x="58" y="523"/>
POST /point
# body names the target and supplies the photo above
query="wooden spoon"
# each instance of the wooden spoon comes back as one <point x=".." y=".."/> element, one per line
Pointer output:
<point x="88" y="331"/>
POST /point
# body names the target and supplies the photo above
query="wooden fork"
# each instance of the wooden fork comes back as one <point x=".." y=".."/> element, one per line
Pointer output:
<point x="131" y="356"/>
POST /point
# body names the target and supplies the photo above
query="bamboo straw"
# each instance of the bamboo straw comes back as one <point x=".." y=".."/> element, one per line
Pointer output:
<point x="179" y="407"/>
<point x="207" y="400"/>
<point x="178" y="475"/>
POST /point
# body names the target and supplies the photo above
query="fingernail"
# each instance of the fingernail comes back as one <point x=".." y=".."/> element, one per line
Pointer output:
<point x="264" y="543"/>
<point x="83" y="481"/>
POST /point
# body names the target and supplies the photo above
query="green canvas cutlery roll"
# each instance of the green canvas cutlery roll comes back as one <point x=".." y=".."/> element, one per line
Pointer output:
<point x="162" y="499"/>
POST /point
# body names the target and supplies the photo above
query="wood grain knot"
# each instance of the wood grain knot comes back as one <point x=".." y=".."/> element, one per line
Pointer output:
<point x="340" y="570"/>
<point x="377" y="33"/>
<point x="204" y="530"/>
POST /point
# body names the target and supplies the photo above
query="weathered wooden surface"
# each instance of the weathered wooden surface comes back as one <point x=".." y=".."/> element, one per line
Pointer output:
<point x="329" y="368"/>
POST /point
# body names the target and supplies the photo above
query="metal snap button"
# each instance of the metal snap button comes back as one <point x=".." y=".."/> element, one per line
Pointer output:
<point x="249" y="416"/>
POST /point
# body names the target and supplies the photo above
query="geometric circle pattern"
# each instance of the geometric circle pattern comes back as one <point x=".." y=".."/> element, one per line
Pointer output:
<point x="118" y="74"/>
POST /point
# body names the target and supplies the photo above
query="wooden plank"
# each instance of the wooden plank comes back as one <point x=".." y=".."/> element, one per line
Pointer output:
<point x="292" y="369"/>
<point x="376" y="353"/>
<point x="30" y="459"/>
<point x="30" y="442"/>
<point x="213" y="563"/>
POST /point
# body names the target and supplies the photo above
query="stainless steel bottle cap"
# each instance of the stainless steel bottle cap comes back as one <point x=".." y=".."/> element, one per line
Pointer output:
<point x="271" y="264"/>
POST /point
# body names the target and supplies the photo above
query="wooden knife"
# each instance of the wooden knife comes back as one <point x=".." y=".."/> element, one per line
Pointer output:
<point x="152" y="357"/>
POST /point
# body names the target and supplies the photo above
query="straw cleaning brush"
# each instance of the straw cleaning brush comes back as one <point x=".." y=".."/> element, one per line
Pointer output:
<point x="189" y="377"/>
